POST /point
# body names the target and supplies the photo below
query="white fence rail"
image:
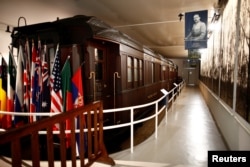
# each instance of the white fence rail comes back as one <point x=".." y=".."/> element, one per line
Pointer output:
<point x="173" y="92"/>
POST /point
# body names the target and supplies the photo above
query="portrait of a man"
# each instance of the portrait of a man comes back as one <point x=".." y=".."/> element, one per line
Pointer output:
<point x="196" y="30"/>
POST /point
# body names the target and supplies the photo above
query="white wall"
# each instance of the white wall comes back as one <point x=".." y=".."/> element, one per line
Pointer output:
<point x="235" y="130"/>
<point x="5" y="41"/>
<point x="184" y="70"/>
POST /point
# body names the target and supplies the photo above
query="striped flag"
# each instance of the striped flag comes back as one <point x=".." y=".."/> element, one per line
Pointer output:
<point x="19" y="94"/>
<point x="67" y="95"/>
<point x="11" y="84"/>
<point x="66" y="87"/>
<point x="77" y="88"/>
<point x="78" y="100"/>
<point x="56" y="87"/>
<point x="3" y="89"/>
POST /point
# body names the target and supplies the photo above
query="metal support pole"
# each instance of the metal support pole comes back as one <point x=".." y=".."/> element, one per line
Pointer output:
<point x="236" y="52"/>
<point x="132" y="130"/>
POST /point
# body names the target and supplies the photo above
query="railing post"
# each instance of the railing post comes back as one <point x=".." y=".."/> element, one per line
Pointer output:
<point x="156" y="120"/>
<point x="172" y="100"/>
<point x="132" y="130"/>
<point x="166" y="114"/>
<point x="166" y="98"/>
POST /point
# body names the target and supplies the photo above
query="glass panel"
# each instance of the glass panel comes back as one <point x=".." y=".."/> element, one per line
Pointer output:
<point x="98" y="71"/>
<point x="140" y="68"/>
<point x="153" y="72"/>
<point x="98" y="54"/>
<point x="135" y="70"/>
<point x="129" y="67"/>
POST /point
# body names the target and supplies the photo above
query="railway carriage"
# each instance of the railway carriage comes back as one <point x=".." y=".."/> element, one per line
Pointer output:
<point x="116" y="69"/>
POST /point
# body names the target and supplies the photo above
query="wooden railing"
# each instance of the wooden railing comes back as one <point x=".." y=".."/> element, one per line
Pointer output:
<point x="87" y="120"/>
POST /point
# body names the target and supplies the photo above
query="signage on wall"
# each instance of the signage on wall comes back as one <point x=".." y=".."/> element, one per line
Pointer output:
<point x="196" y="29"/>
<point x="194" y="54"/>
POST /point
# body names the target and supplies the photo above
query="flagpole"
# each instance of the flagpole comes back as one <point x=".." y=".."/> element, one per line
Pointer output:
<point x="12" y="56"/>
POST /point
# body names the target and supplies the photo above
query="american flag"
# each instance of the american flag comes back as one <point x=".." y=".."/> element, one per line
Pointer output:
<point x="56" y="86"/>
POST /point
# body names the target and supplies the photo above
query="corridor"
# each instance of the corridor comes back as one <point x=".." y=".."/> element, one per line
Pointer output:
<point x="184" y="141"/>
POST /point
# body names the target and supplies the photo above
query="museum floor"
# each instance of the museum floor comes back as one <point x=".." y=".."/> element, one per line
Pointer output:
<point x="183" y="140"/>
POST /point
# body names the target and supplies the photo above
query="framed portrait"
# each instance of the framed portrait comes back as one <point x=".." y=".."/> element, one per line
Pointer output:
<point x="196" y="29"/>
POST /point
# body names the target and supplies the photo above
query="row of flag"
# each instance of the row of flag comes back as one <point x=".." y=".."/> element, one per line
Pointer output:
<point x="28" y="86"/>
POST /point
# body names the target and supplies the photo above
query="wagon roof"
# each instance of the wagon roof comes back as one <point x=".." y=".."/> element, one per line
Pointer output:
<point x="73" y="30"/>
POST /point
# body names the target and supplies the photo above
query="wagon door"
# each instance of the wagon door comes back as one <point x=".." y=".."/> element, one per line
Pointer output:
<point x="100" y="72"/>
<point x="96" y="73"/>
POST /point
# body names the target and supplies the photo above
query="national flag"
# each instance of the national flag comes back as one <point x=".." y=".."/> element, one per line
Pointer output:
<point x="45" y="92"/>
<point x="26" y="77"/>
<point x="78" y="100"/>
<point x="38" y="78"/>
<point x="3" y="89"/>
<point x="35" y="82"/>
<point x="56" y="87"/>
<point x="67" y="94"/>
<point x="19" y="94"/>
<point x="66" y="87"/>
<point x="11" y="84"/>
<point x="77" y="88"/>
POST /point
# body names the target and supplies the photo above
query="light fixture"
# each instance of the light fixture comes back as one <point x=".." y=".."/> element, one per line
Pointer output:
<point x="180" y="16"/>
<point x="8" y="29"/>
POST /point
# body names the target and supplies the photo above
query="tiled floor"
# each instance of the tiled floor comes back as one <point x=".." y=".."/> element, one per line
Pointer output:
<point x="183" y="141"/>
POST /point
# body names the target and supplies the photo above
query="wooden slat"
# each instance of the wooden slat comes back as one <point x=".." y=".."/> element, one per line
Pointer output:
<point x="62" y="144"/>
<point x="95" y="147"/>
<point x="100" y="117"/>
<point x="82" y="138"/>
<point x="50" y="147"/>
<point x="16" y="152"/>
<point x="95" y="115"/>
<point x="89" y="135"/>
<point x="73" y="141"/>
<point x="35" y="149"/>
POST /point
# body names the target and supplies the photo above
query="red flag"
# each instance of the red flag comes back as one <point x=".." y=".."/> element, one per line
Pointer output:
<point x="78" y="99"/>
<point x="77" y="88"/>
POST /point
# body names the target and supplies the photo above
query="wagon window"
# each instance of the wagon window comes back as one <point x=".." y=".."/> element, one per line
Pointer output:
<point x="98" y="64"/>
<point x="129" y="68"/>
<point x="163" y="72"/>
<point x="135" y="70"/>
<point x="153" y="72"/>
<point x="98" y="54"/>
<point x="140" y="71"/>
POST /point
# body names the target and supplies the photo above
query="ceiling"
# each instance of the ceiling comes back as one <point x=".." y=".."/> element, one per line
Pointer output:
<point x="154" y="23"/>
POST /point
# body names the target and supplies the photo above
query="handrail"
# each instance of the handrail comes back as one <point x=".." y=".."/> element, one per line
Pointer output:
<point x="173" y="92"/>
<point x="89" y="116"/>
<point x="132" y="122"/>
